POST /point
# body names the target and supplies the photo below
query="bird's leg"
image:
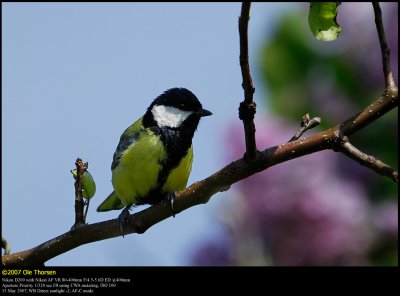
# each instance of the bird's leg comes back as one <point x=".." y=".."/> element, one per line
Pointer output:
<point x="123" y="218"/>
<point x="170" y="197"/>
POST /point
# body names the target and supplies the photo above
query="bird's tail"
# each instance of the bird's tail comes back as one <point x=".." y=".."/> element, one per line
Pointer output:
<point x="112" y="202"/>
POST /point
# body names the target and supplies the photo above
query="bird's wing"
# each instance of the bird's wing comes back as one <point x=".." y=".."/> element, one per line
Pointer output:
<point x="130" y="136"/>
<point x="112" y="202"/>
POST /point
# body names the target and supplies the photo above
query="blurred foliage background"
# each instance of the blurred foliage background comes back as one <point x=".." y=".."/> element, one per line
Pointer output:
<point x="322" y="209"/>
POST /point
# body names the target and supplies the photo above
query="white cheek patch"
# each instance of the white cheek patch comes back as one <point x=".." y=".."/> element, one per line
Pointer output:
<point x="169" y="116"/>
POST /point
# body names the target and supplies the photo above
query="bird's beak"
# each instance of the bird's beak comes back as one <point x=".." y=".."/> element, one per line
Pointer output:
<point x="204" y="112"/>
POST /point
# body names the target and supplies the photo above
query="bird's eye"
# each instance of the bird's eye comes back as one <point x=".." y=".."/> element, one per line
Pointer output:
<point x="182" y="105"/>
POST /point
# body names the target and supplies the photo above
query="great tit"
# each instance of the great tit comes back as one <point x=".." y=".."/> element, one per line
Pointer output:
<point x="154" y="156"/>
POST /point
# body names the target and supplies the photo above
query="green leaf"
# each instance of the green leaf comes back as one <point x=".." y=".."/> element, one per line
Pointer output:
<point x="322" y="20"/>
<point x="88" y="184"/>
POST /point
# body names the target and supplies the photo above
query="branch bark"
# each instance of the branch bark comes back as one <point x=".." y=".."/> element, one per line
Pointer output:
<point x="369" y="161"/>
<point x="247" y="108"/>
<point x="305" y="125"/>
<point x="387" y="68"/>
<point x="79" y="204"/>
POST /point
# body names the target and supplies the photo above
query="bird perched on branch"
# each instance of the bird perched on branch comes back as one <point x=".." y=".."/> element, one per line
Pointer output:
<point x="154" y="156"/>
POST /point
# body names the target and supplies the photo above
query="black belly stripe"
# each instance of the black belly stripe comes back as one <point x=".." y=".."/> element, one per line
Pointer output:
<point x="177" y="142"/>
<point x="176" y="145"/>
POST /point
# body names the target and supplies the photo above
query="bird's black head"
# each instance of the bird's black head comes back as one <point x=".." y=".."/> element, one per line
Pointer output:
<point x="175" y="108"/>
<point x="180" y="98"/>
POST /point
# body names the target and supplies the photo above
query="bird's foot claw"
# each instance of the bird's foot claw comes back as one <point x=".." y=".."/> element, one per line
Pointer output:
<point x="171" y="196"/>
<point x="123" y="219"/>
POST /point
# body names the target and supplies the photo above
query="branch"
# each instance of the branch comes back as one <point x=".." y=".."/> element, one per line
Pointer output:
<point x="201" y="192"/>
<point x="387" y="69"/>
<point x="79" y="216"/>
<point x="247" y="108"/>
<point x="386" y="102"/>
<point x="368" y="161"/>
<point x="305" y="125"/>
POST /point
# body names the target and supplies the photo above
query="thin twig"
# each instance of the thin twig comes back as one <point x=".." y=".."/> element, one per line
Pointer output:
<point x="247" y="108"/>
<point x="369" y="161"/>
<point x="79" y="204"/>
<point x="387" y="69"/>
<point x="305" y="125"/>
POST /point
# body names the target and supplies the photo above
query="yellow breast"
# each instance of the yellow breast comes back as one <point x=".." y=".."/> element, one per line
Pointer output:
<point x="178" y="177"/>
<point x="137" y="172"/>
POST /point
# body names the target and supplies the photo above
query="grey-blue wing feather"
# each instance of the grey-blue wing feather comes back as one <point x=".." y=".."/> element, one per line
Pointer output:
<point x="122" y="146"/>
<point x="130" y="136"/>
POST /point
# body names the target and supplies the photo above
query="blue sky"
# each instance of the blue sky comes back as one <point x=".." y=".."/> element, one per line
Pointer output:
<point x="75" y="75"/>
